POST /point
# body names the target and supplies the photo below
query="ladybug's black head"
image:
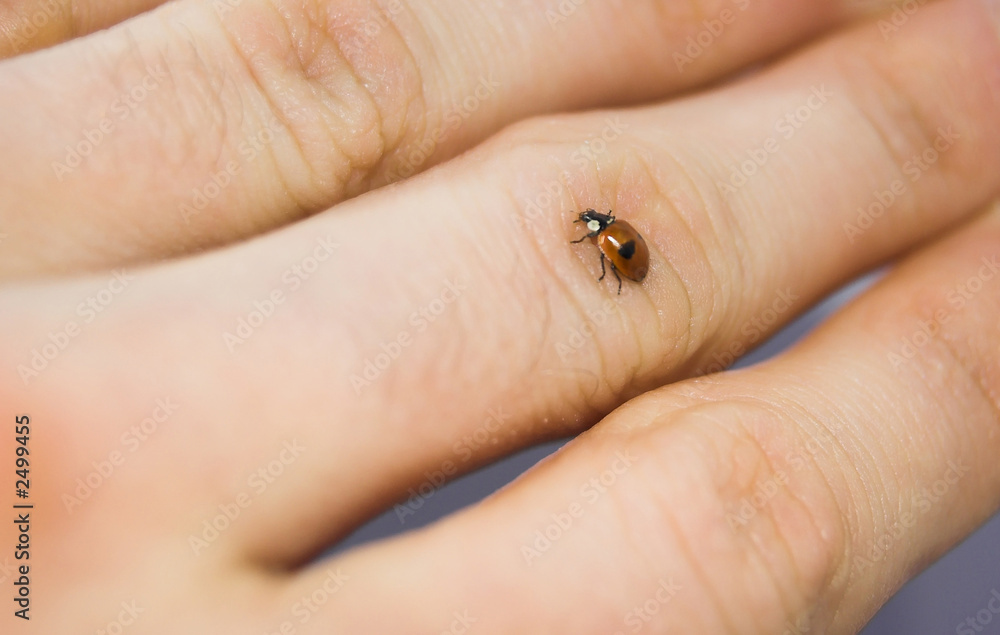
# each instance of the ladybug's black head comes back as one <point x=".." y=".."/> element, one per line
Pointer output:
<point x="595" y="221"/>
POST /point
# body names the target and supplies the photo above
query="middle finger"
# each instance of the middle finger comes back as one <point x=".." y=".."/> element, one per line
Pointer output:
<point x="201" y="123"/>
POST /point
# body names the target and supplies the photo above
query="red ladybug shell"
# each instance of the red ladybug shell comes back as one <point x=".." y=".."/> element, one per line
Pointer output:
<point x="625" y="248"/>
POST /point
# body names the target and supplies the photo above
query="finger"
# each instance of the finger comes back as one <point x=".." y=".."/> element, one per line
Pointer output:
<point x="476" y="312"/>
<point x="798" y="494"/>
<point x="29" y="25"/>
<point x="205" y="122"/>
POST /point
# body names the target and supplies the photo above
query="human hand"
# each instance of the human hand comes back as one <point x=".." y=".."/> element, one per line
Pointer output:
<point x="201" y="427"/>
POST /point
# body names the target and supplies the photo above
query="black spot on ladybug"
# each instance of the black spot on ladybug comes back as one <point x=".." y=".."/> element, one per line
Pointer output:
<point x="627" y="250"/>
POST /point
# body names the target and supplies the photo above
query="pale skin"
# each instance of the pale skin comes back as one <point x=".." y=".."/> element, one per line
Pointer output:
<point x="333" y="339"/>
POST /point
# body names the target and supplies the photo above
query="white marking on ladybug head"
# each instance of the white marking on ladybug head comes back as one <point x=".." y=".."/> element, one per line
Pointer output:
<point x="594" y="225"/>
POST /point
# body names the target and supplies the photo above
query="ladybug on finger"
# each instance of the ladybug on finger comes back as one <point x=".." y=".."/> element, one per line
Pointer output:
<point x="619" y="243"/>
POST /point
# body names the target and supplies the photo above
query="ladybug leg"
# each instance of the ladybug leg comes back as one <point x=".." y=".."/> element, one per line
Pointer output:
<point x="573" y="242"/>
<point x="614" y="270"/>
<point x="603" y="272"/>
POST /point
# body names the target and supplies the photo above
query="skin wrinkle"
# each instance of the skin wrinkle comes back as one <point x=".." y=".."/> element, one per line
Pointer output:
<point x="741" y="267"/>
<point x="428" y="111"/>
<point x="699" y="569"/>
<point x="226" y="115"/>
<point x="632" y="373"/>
<point x="839" y="573"/>
<point x="688" y="337"/>
<point x="628" y="156"/>
<point x="925" y="131"/>
<point x="362" y="160"/>
<point x="547" y="267"/>
<point x="302" y="209"/>
<point x="574" y="301"/>
<point x="363" y="164"/>
<point x="546" y="292"/>
<point x="692" y="341"/>
<point x="418" y="98"/>
<point x="767" y="468"/>
<point x="845" y="454"/>
<point x="896" y="155"/>
<point x="972" y="375"/>
<point x="714" y="214"/>
<point x="655" y="425"/>
<point x="684" y="546"/>
<point x="860" y="486"/>
<point x="909" y="443"/>
<point x="118" y="65"/>
<point x="780" y="412"/>
<point x="631" y="530"/>
<point x="541" y="263"/>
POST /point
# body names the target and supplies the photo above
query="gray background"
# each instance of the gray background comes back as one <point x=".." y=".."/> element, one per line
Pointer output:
<point x="935" y="603"/>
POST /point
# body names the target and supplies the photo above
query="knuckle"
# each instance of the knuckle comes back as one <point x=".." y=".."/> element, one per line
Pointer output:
<point x="345" y="81"/>
<point x="565" y="164"/>
<point x="159" y="94"/>
<point x="942" y="335"/>
<point x="901" y="122"/>
<point x="730" y="475"/>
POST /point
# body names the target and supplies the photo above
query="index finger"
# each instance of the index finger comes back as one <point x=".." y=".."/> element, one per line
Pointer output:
<point x="201" y="123"/>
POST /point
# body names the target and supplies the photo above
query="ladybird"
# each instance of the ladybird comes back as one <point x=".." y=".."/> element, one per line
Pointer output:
<point x="619" y="243"/>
